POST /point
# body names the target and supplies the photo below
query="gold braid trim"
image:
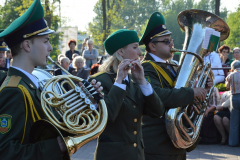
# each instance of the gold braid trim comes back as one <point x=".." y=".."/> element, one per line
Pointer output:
<point x="158" y="34"/>
<point x="34" y="33"/>
<point x="158" y="69"/>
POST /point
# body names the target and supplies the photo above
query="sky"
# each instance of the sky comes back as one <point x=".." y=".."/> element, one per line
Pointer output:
<point x="80" y="12"/>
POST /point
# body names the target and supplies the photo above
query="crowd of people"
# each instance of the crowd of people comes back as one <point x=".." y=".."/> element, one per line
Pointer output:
<point x="138" y="91"/>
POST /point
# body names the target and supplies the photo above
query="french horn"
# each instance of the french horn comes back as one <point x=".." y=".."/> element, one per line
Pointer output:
<point x="71" y="114"/>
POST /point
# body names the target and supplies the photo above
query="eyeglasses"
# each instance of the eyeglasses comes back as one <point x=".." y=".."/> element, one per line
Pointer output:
<point x="167" y="42"/>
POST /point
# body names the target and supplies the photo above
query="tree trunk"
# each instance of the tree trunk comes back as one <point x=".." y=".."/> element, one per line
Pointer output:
<point x="217" y="6"/>
<point x="48" y="15"/>
<point x="108" y="18"/>
<point x="104" y="20"/>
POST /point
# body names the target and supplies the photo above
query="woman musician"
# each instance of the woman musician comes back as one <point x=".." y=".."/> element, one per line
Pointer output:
<point x="127" y="95"/>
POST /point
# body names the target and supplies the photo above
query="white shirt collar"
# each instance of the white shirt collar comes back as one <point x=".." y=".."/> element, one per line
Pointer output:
<point x="126" y="78"/>
<point x="156" y="58"/>
<point x="30" y="76"/>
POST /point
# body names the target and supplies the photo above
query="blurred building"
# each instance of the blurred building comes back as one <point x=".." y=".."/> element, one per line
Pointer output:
<point x="68" y="33"/>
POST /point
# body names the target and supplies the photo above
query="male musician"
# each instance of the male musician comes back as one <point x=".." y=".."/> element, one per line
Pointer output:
<point x="20" y="98"/>
<point x="3" y="49"/>
<point x="162" y="74"/>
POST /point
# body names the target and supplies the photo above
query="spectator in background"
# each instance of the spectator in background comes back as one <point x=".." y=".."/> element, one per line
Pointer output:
<point x="59" y="57"/>
<point x="221" y="118"/>
<point x="236" y="54"/>
<point x="233" y="83"/>
<point x="64" y="62"/>
<point x="223" y="51"/>
<point x="72" y="44"/>
<point x="208" y="132"/>
<point x="3" y="64"/>
<point x="215" y="61"/>
<point x="91" y="54"/>
<point x="78" y="65"/>
<point x="58" y="61"/>
<point x="94" y="68"/>
<point x="141" y="57"/>
<point x="8" y="59"/>
<point x="84" y="44"/>
<point x="73" y="56"/>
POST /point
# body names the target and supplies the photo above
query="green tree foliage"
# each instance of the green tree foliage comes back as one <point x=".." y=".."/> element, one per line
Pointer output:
<point x="101" y="27"/>
<point x="15" y="8"/>
<point x="8" y="13"/>
<point x="234" y="37"/>
<point x="134" y="15"/>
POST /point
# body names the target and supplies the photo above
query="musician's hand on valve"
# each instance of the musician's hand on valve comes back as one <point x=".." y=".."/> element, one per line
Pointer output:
<point x="97" y="92"/>
<point x="200" y="93"/>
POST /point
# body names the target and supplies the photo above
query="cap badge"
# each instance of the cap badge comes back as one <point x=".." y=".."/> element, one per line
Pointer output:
<point x="164" y="27"/>
<point x="4" y="44"/>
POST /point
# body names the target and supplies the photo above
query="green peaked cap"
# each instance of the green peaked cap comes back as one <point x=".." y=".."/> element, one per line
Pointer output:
<point x="120" y="39"/>
<point x="30" y="23"/>
<point x="155" y="28"/>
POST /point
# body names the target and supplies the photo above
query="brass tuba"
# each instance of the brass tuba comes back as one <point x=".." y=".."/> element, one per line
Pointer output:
<point x="68" y="112"/>
<point x="183" y="123"/>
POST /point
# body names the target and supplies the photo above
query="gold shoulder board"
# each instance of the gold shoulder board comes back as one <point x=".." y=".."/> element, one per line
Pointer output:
<point x="13" y="81"/>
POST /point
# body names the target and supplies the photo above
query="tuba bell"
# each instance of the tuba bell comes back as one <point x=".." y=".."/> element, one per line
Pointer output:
<point x="183" y="123"/>
<point x="69" y="112"/>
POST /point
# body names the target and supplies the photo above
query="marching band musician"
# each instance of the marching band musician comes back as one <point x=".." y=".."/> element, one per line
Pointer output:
<point x="128" y="96"/>
<point x="161" y="73"/>
<point x="3" y="49"/>
<point x="20" y="101"/>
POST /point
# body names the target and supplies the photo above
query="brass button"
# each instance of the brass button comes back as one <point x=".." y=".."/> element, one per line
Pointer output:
<point x="135" y="120"/>
<point x="134" y="144"/>
<point x="134" y="106"/>
<point x="135" y="132"/>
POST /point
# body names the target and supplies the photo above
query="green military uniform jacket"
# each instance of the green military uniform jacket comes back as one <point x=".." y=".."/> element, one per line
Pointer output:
<point x="122" y="137"/>
<point x="12" y="108"/>
<point x="155" y="135"/>
<point x="3" y="75"/>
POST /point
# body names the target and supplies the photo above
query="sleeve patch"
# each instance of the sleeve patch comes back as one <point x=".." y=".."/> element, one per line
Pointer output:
<point x="5" y="123"/>
<point x="148" y="79"/>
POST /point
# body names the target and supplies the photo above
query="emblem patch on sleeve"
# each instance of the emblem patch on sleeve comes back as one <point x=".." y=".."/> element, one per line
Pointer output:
<point x="148" y="79"/>
<point x="5" y="123"/>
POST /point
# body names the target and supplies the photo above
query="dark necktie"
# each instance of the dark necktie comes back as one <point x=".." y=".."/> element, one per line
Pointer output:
<point x="170" y="68"/>
<point x="126" y="82"/>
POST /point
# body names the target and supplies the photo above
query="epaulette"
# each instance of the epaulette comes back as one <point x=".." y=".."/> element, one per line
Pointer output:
<point x="96" y="74"/>
<point x="12" y="81"/>
<point x="146" y="61"/>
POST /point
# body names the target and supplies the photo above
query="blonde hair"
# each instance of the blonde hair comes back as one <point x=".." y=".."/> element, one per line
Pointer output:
<point x="78" y="58"/>
<point x="111" y="62"/>
<point x="65" y="58"/>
